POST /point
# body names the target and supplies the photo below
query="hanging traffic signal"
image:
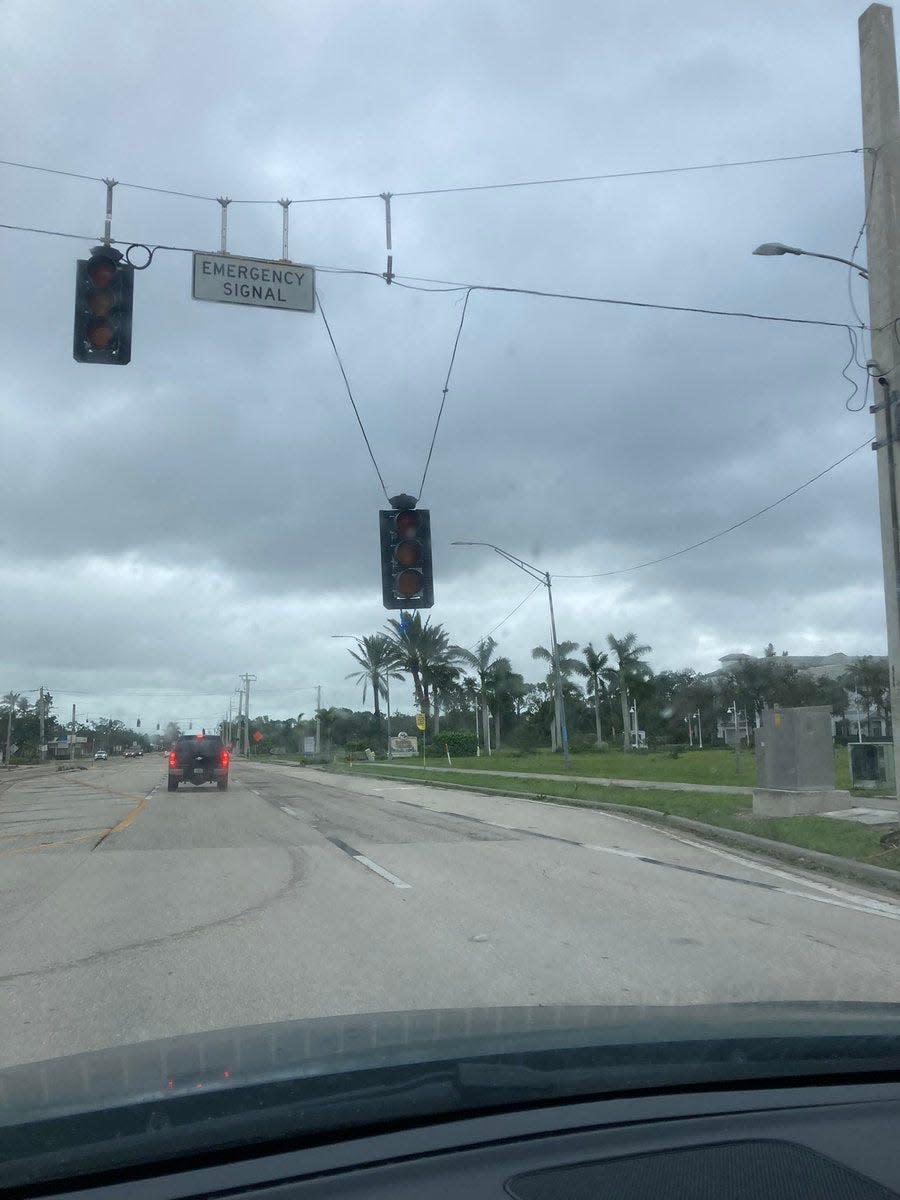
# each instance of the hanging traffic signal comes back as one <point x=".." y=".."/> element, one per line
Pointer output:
<point x="104" y="292"/>
<point x="406" y="575"/>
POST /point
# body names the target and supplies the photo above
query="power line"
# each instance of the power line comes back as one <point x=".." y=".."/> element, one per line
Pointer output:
<point x="456" y="188"/>
<point x="731" y="528"/>
<point x="450" y="284"/>
<point x="521" y="604"/>
<point x="456" y="285"/>
<point x="437" y="423"/>
<point x="350" y="396"/>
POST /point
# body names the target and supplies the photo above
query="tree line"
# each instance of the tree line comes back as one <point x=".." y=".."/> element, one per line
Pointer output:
<point x="604" y="686"/>
<point x="20" y="725"/>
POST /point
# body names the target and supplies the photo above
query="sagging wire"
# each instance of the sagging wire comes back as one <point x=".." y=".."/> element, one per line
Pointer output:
<point x="521" y="604"/>
<point x="854" y="358"/>
<point x="442" y="191"/>
<point x="446" y="388"/>
<point x="362" y="427"/>
<point x="730" y="529"/>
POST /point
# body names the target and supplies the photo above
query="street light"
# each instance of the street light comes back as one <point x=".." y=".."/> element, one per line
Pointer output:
<point x="387" y="681"/>
<point x="544" y="578"/>
<point x="768" y="248"/>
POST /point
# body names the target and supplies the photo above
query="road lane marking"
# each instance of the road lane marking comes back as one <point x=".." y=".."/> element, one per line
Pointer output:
<point x="818" y="893"/>
<point x="84" y="837"/>
<point x="364" y="861"/>
<point x="127" y="819"/>
<point x="373" y="866"/>
<point x="829" y="893"/>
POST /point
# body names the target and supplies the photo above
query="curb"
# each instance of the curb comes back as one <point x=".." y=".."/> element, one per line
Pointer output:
<point x="864" y="872"/>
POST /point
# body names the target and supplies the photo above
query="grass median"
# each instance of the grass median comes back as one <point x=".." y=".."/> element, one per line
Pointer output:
<point x="843" y="838"/>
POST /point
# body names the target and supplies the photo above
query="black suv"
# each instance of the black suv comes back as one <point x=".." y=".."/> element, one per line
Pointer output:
<point x="200" y="758"/>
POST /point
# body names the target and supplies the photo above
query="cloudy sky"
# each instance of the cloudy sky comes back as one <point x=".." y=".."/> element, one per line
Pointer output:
<point x="210" y="508"/>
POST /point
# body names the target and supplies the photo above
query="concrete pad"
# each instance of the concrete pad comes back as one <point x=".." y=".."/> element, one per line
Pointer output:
<point x="784" y="802"/>
<point x="864" y="816"/>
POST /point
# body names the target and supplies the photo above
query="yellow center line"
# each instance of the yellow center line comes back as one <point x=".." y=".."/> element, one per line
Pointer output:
<point x="84" y="837"/>
<point x="130" y="816"/>
<point x="9" y="837"/>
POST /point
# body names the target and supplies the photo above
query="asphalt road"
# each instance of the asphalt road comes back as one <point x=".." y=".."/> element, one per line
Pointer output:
<point x="131" y="913"/>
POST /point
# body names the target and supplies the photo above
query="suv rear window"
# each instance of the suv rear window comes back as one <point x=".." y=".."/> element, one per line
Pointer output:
<point x="209" y="745"/>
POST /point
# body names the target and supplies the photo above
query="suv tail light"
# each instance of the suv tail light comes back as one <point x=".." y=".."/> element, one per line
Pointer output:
<point x="224" y="758"/>
<point x="173" y="759"/>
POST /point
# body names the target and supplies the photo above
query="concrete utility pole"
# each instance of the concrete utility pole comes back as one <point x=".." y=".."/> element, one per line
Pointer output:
<point x="8" y="734"/>
<point x="41" y="752"/>
<point x="72" y="737"/>
<point x="248" y="679"/>
<point x="881" y="137"/>
<point x="318" y="721"/>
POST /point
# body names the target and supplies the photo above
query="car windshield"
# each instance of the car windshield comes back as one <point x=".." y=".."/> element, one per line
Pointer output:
<point x="448" y="522"/>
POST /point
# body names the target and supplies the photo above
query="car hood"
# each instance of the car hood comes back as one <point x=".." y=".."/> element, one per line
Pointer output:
<point x="319" y="1076"/>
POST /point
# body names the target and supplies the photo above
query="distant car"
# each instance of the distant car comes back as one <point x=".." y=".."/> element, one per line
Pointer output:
<point x="203" y="758"/>
<point x="101" y="756"/>
<point x="128" y="754"/>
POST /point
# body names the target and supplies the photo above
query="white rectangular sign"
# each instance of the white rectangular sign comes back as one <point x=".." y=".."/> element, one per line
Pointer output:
<point x="255" y="281"/>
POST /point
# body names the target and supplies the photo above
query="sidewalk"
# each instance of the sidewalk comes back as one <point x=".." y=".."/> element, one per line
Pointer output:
<point x="640" y="784"/>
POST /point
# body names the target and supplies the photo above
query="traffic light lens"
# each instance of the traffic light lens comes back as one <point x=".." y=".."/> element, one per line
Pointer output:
<point x="408" y="583"/>
<point x="102" y="273"/>
<point x="407" y="523"/>
<point x="101" y="303"/>
<point x="408" y="554"/>
<point x="100" y="334"/>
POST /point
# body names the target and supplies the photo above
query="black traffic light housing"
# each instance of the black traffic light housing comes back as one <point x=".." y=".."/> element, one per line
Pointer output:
<point x="406" y="573"/>
<point x="104" y="295"/>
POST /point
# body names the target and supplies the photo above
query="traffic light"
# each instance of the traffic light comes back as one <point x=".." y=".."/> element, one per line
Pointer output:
<point x="104" y="292"/>
<point x="406" y="576"/>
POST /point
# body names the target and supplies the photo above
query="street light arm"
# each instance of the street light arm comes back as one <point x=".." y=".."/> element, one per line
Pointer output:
<point x="527" y="567"/>
<point x="771" y="248"/>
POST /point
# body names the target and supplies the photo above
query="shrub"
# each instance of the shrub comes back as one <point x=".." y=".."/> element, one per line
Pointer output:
<point x="582" y="744"/>
<point x="459" y="742"/>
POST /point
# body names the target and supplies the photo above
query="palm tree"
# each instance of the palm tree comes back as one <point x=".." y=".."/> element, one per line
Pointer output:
<point x="630" y="666"/>
<point x="487" y="670"/>
<point x="568" y="666"/>
<point x="377" y="659"/>
<point x="443" y="680"/>
<point x="420" y="648"/>
<point x="503" y="683"/>
<point x="596" y="664"/>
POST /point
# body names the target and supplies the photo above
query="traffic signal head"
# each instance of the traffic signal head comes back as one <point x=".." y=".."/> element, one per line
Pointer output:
<point x="104" y="290"/>
<point x="406" y="576"/>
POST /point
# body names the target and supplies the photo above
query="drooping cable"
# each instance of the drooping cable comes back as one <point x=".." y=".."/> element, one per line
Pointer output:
<point x="362" y="427"/>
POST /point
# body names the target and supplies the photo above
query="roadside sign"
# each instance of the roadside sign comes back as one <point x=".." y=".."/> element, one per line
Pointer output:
<point x="309" y="745"/>
<point x="420" y="720"/>
<point x="403" y="746"/>
<point x="259" y="282"/>
<point x="257" y="737"/>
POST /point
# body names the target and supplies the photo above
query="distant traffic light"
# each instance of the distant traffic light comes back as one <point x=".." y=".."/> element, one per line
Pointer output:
<point x="104" y="294"/>
<point x="406" y="574"/>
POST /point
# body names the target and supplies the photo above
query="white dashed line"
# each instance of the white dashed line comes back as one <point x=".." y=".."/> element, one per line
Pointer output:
<point x="817" y="893"/>
<point x="373" y="866"/>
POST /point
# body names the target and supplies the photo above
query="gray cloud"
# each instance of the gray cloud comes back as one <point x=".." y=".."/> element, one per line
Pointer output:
<point x="211" y="508"/>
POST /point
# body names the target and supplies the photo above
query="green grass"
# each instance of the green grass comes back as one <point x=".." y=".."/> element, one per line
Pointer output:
<point x="858" y="842"/>
<point x="710" y="766"/>
<point x="706" y="766"/>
